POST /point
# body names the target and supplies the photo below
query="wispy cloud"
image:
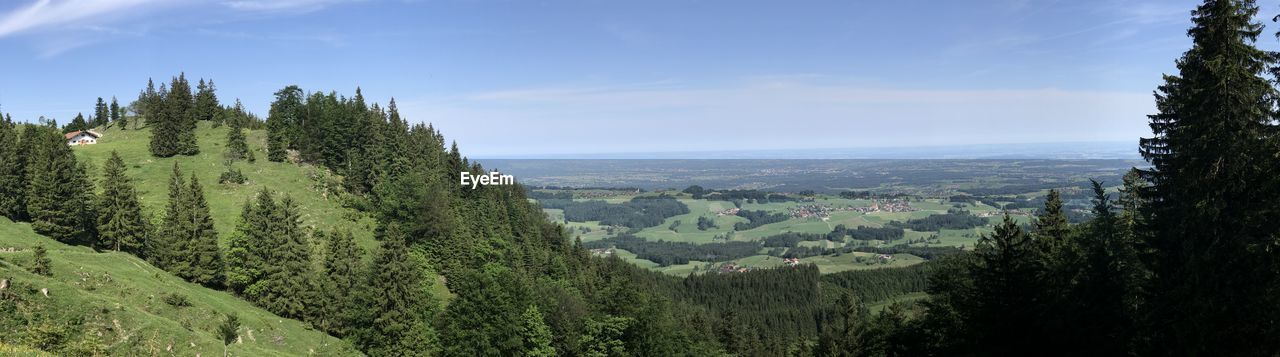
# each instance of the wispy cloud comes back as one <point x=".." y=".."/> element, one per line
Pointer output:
<point x="45" y="14"/>
<point x="282" y="5"/>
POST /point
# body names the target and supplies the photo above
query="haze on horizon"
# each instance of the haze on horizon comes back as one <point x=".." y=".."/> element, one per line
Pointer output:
<point x="520" y="78"/>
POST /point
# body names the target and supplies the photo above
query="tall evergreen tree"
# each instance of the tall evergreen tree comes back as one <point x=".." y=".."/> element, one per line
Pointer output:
<point x="282" y="121"/>
<point x="206" y="101"/>
<point x="101" y="115"/>
<point x="201" y="258"/>
<point x="342" y="277"/>
<point x="1213" y="198"/>
<point x="288" y="274"/>
<point x="249" y="248"/>
<point x="121" y="226"/>
<point x="396" y="319"/>
<point x="56" y="197"/>
<point x="536" y="334"/>
<point x="76" y="124"/>
<point x="115" y="114"/>
<point x="13" y="172"/>
<point x="237" y="148"/>
<point x="165" y="248"/>
<point x="1006" y="318"/>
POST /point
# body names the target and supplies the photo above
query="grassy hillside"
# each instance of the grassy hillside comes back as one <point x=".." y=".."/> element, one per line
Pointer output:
<point x="121" y="302"/>
<point x="151" y="177"/>
<point x="122" y="297"/>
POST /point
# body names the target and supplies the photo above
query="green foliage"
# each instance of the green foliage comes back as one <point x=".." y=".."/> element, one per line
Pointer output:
<point x="1213" y="195"/>
<point x="228" y="330"/>
<point x="343" y="274"/>
<point x="232" y="176"/>
<point x="395" y="320"/>
<point x="536" y="334"/>
<point x="237" y="149"/>
<point x="605" y="337"/>
<point x="173" y="117"/>
<point x="101" y="116"/>
<point x="187" y="243"/>
<point x="287" y="273"/>
<point x="13" y="170"/>
<point x="59" y="197"/>
<point x="177" y="300"/>
<point x="121" y="224"/>
<point x="42" y="263"/>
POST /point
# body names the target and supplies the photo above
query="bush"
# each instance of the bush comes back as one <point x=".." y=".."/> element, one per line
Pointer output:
<point x="176" y="300"/>
<point x="232" y="176"/>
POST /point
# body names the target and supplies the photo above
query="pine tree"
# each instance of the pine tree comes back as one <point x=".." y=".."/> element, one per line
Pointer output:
<point x="121" y="226"/>
<point x="165" y="248"/>
<point x="281" y="121"/>
<point x="77" y="124"/>
<point x="396" y="319"/>
<point x="236" y="149"/>
<point x="228" y="331"/>
<point x="1006" y="286"/>
<point x="343" y="272"/>
<point x="201" y="255"/>
<point x="536" y="334"/>
<point x="115" y="114"/>
<point x="206" y="101"/>
<point x="181" y="108"/>
<point x="42" y="265"/>
<point x="287" y="274"/>
<point x="1213" y="195"/>
<point x="1131" y="201"/>
<point x="249" y="248"/>
<point x="101" y="115"/>
<point x="56" y="200"/>
<point x="12" y="173"/>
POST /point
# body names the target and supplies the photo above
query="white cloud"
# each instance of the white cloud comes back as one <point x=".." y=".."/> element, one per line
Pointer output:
<point x="45" y="14"/>
<point x="281" y="5"/>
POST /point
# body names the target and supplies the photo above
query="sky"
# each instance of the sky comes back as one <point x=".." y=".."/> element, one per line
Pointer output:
<point x="526" y="77"/>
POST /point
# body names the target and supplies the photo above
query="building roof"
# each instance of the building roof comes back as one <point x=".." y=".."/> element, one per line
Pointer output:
<point x="73" y="134"/>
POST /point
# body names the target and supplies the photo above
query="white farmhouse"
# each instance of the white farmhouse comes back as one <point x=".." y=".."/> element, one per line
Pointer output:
<point x="87" y="137"/>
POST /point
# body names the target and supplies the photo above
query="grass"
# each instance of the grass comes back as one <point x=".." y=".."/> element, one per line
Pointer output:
<point x="151" y="175"/>
<point x="126" y="293"/>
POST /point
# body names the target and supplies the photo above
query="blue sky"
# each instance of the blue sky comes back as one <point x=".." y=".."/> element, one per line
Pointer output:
<point x="595" y="76"/>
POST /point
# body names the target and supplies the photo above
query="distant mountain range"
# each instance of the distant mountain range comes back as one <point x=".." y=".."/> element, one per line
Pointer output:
<point x="1070" y="150"/>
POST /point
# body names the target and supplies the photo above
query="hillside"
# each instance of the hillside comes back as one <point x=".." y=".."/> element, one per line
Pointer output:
<point x="122" y="297"/>
<point x="120" y="301"/>
<point x="151" y="177"/>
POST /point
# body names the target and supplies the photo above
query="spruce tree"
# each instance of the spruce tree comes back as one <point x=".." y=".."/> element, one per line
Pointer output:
<point x="101" y="115"/>
<point x="288" y="274"/>
<point x="395" y="320"/>
<point x="12" y="173"/>
<point x="1213" y="195"/>
<point x="536" y="334"/>
<point x="206" y="101"/>
<point x="121" y="226"/>
<point x="237" y="148"/>
<point x="1007" y="287"/>
<point x="165" y="248"/>
<point x="76" y="124"/>
<point x="181" y="108"/>
<point x="201" y="255"/>
<point x="42" y="264"/>
<point x="248" y="251"/>
<point x="281" y="121"/>
<point x="55" y="193"/>
<point x="343" y="273"/>
<point x="115" y="114"/>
